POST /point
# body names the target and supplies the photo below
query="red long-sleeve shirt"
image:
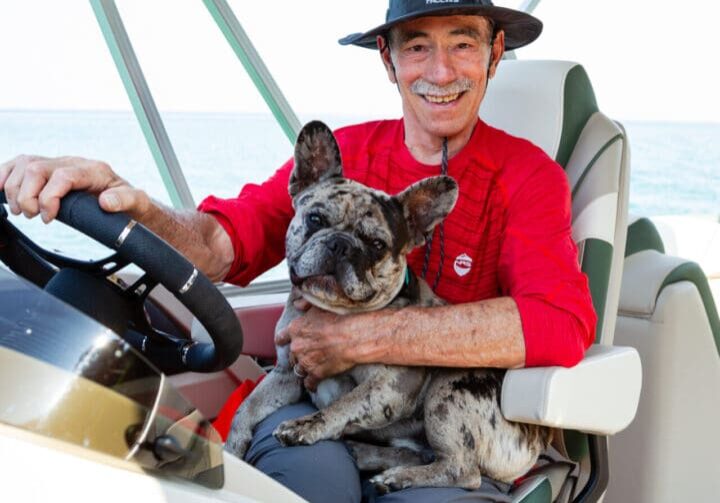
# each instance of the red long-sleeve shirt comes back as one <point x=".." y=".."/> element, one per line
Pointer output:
<point x="508" y="235"/>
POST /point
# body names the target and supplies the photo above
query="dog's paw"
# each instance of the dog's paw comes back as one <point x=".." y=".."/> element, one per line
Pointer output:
<point x="305" y="430"/>
<point x="237" y="444"/>
<point x="358" y="450"/>
<point x="394" y="479"/>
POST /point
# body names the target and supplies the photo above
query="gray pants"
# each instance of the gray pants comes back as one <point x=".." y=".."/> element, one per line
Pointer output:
<point x="326" y="472"/>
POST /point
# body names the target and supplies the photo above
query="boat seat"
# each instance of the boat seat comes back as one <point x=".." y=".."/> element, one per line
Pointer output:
<point x="694" y="238"/>
<point x="642" y="235"/>
<point x="552" y="104"/>
<point x="667" y="312"/>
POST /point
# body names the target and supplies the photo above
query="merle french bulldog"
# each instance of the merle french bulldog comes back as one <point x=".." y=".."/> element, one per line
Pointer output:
<point x="346" y="249"/>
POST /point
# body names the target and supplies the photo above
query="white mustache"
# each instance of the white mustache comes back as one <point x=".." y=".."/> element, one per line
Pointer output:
<point x="422" y="86"/>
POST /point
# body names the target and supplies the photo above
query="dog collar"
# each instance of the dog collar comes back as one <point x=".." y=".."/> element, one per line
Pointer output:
<point x="411" y="288"/>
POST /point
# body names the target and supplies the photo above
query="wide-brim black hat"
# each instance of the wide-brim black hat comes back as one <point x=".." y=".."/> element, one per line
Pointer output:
<point x="520" y="28"/>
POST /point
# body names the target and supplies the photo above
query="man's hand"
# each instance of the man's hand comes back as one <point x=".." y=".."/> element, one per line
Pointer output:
<point x="320" y="343"/>
<point x="34" y="185"/>
<point x="487" y="333"/>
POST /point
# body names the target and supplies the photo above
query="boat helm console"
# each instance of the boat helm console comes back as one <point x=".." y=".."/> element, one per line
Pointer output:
<point x="67" y="377"/>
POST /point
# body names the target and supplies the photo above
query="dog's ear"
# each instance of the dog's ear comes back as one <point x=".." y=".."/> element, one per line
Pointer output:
<point x="425" y="204"/>
<point x="317" y="157"/>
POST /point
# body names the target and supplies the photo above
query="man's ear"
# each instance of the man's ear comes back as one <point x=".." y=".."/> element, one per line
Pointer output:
<point x="317" y="157"/>
<point x="425" y="204"/>
<point x="496" y="52"/>
<point x="384" y="47"/>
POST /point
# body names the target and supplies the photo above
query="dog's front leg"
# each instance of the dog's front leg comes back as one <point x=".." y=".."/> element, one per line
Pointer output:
<point x="385" y="396"/>
<point x="280" y="387"/>
<point x="370" y="457"/>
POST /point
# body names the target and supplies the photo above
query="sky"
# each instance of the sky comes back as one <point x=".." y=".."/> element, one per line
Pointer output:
<point x="648" y="60"/>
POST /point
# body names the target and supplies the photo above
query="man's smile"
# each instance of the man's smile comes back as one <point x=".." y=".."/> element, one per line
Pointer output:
<point x="442" y="99"/>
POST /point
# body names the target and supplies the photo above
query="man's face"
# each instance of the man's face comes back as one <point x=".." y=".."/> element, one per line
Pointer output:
<point x="441" y="67"/>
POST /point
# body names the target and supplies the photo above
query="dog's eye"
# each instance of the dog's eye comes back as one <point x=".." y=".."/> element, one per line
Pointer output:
<point x="315" y="219"/>
<point x="378" y="245"/>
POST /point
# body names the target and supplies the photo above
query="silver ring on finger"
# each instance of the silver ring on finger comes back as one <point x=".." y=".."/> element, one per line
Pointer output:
<point x="298" y="371"/>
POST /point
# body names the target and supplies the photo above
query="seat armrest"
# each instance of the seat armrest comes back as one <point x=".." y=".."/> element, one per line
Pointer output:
<point x="599" y="395"/>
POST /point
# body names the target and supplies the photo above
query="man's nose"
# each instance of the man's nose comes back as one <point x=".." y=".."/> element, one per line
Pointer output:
<point x="441" y="70"/>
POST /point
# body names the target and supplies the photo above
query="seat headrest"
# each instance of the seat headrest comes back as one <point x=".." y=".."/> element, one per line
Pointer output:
<point x="546" y="102"/>
<point x="642" y="235"/>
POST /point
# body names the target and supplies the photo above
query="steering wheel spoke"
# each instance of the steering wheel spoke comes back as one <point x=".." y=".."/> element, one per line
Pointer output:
<point x="110" y="265"/>
<point x="158" y="345"/>
<point x="17" y="252"/>
<point x="105" y="267"/>
<point x="141" y="288"/>
<point x="102" y="268"/>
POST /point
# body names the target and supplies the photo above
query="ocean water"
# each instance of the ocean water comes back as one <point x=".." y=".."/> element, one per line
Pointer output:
<point x="675" y="166"/>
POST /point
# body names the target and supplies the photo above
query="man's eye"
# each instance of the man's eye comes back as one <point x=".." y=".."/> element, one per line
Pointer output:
<point x="416" y="48"/>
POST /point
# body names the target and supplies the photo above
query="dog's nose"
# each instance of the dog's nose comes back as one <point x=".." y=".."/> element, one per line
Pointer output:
<point x="339" y="246"/>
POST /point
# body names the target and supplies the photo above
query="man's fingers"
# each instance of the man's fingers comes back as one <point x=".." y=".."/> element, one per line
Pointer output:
<point x="34" y="184"/>
<point x="124" y="198"/>
<point x="58" y="185"/>
<point x="295" y="327"/>
<point x="34" y="178"/>
<point x="282" y="338"/>
<point x="301" y="304"/>
<point x="9" y="166"/>
<point x="5" y="169"/>
<point x="311" y="382"/>
<point x="11" y="184"/>
<point x="70" y="173"/>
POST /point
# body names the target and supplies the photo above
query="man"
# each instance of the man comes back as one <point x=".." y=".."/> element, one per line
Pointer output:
<point x="504" y="257"/>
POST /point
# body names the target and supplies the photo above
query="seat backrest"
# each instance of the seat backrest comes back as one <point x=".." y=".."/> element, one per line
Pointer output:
<point x="667" y="312"/>
<point x="552" y="104"/>
<point x="644" y="235"/>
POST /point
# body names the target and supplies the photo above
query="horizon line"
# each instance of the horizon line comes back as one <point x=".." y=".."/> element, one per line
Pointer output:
<point x="325" y="113"/>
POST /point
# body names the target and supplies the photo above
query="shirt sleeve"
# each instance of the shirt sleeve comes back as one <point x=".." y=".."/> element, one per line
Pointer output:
<point x="256" y="221"/>
<point x="539" y="269"/>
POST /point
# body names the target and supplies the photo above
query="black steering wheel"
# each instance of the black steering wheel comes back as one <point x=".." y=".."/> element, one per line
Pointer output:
<point x="87" y="285"/>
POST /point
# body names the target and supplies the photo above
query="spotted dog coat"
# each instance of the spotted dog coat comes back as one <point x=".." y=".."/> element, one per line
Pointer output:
<point x="346" y="249"/>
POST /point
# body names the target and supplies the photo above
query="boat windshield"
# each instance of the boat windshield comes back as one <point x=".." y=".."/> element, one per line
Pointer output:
<point x="65" y="376"/>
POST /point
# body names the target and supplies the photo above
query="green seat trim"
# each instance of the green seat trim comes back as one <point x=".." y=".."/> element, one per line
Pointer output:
<point x="592" y="162"/>
<point x="643" y="235"/>
<point x="578" y="106"/>
<point x="597" y="259"/>
<point x="576" y="444"/>
<point x="692" y="272"/>
<point x="541" y="494"/>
